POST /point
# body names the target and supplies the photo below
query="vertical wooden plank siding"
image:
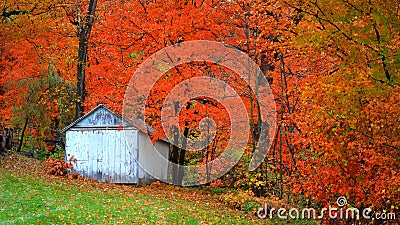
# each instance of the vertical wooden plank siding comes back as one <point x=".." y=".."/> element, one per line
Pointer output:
<point x="107" y="153"/>
<point x="104" y="155"/>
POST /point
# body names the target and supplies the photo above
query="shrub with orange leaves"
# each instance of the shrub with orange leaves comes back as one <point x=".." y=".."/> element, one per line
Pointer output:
<point x="59" y="167"/>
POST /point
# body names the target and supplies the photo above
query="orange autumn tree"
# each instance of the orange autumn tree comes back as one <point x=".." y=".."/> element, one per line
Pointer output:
<point x="116" y="51"/>
<point x="121" y="43"/>
<point x="195" y="110"/>
<point x="349" y="142"/>
<point x="37" y="56"/>
<point x="270" y="28"/>
<point x="125" y="36"/>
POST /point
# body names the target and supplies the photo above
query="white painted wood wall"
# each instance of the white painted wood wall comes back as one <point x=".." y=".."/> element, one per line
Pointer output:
<point x="106" y="152"/>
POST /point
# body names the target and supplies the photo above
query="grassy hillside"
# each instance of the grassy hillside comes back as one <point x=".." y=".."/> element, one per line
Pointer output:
<point x="29" y="196"/>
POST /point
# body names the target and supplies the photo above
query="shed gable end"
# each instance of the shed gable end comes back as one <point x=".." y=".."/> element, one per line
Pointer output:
<point x="101" y="118"/>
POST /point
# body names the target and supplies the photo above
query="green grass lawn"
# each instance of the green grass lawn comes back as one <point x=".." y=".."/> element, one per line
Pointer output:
<point x="29" y="196"/>
<point x="29" y="200"/>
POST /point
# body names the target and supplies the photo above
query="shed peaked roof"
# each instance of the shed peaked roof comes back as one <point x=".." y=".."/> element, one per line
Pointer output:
<point x="105" y="118"/>
<point x="89" y="119"/>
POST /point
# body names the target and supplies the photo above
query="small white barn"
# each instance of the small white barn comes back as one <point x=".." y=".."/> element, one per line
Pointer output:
<point x="108" y="148"/>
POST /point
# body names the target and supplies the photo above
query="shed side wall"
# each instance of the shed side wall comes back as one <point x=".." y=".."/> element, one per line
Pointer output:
<point x="154" y="166"/>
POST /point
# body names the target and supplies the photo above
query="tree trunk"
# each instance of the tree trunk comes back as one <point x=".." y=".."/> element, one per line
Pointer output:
<point x="3" y="142"/>
<point x="10" y="139"/>
<point x="182" y="154"/>
<point x="84" y="29"/>
<point x="21" y="141"/>
<point x="174" y="160"/>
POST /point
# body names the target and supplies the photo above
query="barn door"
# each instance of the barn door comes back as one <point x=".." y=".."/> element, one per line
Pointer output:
<point x="117" y="158"/>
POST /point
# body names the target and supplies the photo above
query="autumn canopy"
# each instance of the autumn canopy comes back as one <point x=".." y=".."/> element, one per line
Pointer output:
<point x="333" y="68"/>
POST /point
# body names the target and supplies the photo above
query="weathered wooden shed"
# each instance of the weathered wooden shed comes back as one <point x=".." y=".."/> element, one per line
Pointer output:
<point x="110" y="149"/>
